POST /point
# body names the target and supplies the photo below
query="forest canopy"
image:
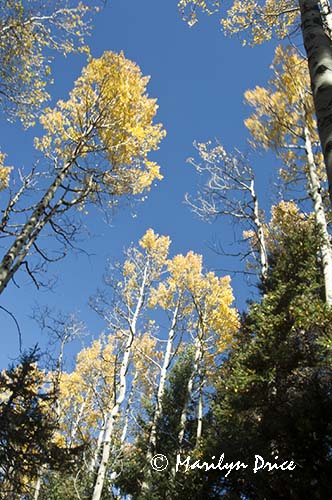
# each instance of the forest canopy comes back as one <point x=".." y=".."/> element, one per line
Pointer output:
<point x="166" y="328"/>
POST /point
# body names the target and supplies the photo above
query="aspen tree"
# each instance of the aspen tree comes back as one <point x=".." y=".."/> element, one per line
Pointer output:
<point x="283" y="119"/>
<point x="199" y="303"/>
<point x="173" y="296"/>
<point x="140" y="270"/>
<point x="96" y="144"/>
<point x="30" y="31"/>
<point x="215" y="322"/>
<point x="263" y="19"/>
<point x="145" y="371"/>
<point x="229" y="191"/>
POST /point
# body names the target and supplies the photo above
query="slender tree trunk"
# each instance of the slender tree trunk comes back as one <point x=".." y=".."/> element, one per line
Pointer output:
<point x="123" y="436"/>
<point x="259" y="233"/>
<point x="189" y="390"/>
<point x="38" y="219"/>
<point x="162" y="385"/>
<point x="37" y="487"/>
<point x="326" y="11"/>
<point x="325" y="245"/>
<point x="73" y="432"/>
<point x="199" y="429"/>
<point x="319" y="53"/>
<point x="112" y="416"/>
<point x="94" y="460"/>
<point x="160" y="394"/>
<point x="129" y="403"/>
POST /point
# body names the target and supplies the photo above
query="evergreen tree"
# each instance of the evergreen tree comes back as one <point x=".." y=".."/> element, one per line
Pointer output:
<point x="273" y="398"/>
<point x="28" y="423"/>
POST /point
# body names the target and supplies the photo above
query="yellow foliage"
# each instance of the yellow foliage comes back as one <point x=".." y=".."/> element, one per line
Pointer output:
<point x="156" y="246"/>
<point x="148" y="261"/>
<point x="188" y="9"/>
<point x="201" y="295"/>
<point x="110" y="114"/>
<point x="144" y="350"/>
<point x="28" y="30"/>
<point x="260" y="18"/>
<point x="183" y="271"/>
<point x="4" y="172"/>
<point x="282" y="110"/>
<point x="86" y="392"/>
<point x="285" y="216"/>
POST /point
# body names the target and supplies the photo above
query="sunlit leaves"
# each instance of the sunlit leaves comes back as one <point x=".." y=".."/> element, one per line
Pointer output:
<point x="86" y="391"/>
<point x="28" y="30"/>
<point x="260" y="19"/>
<point x="188" y="9"/>
<point x="108" y="117"/>
<point x="4" y="172"/>
<point x="204" y="297"/>
<point x="282" y="110"/>
<point x="256" y="21"/>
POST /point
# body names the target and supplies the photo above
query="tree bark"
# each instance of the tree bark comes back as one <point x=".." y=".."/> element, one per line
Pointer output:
<point x="161" y="390"/>
<point x="94" y="459"/>
<point x="326" y="11"/>
<point x="113" y="414"/>
<point x="259" y="233"/>
<point x="199" y="429"/>
<point x="319" y="53"/>
<point x="14" y="257"/>
<point x="162" y="384"/>
<point x="37" y="487"/>
<point x="190" y="385"/>
<point x="315" y="192"/>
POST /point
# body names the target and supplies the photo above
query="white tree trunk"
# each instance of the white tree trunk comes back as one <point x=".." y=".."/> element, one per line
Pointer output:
<point x="37" y="487"/>
<point x="113" y="414"/>
<point x="325" y="245"/>
<point x="161" y="391"/>
<point x="326" y="10"/>
<point x="199" y="429"/>
<point x="129" y="403"/>
<point x="189" y="390"/>
<point x="38" y="219"/>
<point x="319" y="53"/>
<point x="94" y="460"/>
<point x="162" y="384"/>
<point x="259" y="232"/>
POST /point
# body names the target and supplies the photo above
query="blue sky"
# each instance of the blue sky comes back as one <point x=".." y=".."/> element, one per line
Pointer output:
<point x="198" y="77"/>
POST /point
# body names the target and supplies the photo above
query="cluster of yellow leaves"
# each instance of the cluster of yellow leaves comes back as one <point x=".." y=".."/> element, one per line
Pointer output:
<point x="188" y="9"/>
<point x="85" y="393"/>
<point x="27" y="30"/>
<point x="203" y="295"/>
<point x="110" y="114"/>
<point x="145" y="355"/>
<point x="283" y="109"/>
<point x="261" y="19"/>
<point x="147" y="261"/>
<point x="285" y="216"/>
<point x="219" y="316"/>
<point x="4" y="172"/>
<point x="211" y="154"/>
<point x="155" y="246"/>
<point x="184" y="272"/>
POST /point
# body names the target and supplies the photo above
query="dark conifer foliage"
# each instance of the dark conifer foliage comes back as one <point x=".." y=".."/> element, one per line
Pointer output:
<point x="274" y="394"/>
<point x="28" y="423"/>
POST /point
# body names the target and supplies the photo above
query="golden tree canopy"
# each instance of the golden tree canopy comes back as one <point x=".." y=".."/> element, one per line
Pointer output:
<point x="107" y="124"/>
